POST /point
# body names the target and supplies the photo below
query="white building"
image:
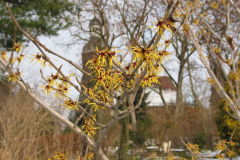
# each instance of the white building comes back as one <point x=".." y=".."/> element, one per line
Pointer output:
<point x="169" y="92"/>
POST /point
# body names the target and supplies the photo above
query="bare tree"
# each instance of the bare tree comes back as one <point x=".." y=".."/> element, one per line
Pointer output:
<point x="118" y="21"/>
<point x="115" y="80"/>
<point x="22" y="126"/>
<point x="227" y="39"/>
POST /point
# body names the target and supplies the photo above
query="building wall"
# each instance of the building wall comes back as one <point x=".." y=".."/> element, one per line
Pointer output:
<point x="155" y="99"/>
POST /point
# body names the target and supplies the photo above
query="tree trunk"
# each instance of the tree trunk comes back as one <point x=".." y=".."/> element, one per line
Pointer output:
<point x="100" y="155"/>
<point x="182" y="61"/>
<point x="179" y="102"/>
<point x="215" y="97"/>
<point x="133" y="114"/>
<point x="163" y="99"/>
<point x="124" y="137"/>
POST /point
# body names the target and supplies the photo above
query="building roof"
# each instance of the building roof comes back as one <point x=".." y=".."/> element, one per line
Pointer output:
<point x="166" y="83"/>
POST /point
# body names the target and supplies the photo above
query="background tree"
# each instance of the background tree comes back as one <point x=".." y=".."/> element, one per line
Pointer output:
<point x="227" y="65"/>
<point x="183" y="53"/>
<point x="23" y="126"/>
<point x="101" y="99"/>
<point x="124" y="137"/>
<point x="198" y="96"/>
<point x="143" y="125"/>
<point x="49" y="15"/>
<point x="226" y="124"/>
<point x="127" y="80"/>
<point x="124" y="21"/>
<point x="144" y="121"/>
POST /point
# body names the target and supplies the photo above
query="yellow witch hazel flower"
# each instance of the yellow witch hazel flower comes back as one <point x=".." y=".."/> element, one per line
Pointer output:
<point x="164" y="54"/>
<point x="236" y="77"/>
<point x="20" y="58"/>
<point x="93" y="105"/>
<point x="221" y="145"/>
<point x="90" y="119"/>
<point x="38" y="58"/>
<point x="17" y="46"/>
<point x="92" y="63"/>
<point x="89" y="156"/>
<point x="211" y="81"/>
<point x="230" y="153"/>
<point x="47" y="89"/>
<point x="168" y="24"/>
<point x="91" y="131"/>
<point x="111" y="55"/>
<point x="88" y="126"/>
<point x="63" y="80"/>
<point x="149" y="57"/>
<point x="231" y="143"/>
<point x="196" y="22"/>
<point x="54" y="78"/>
<point x="70" y="104"/>
<point x="15" y="76"/>
<point x="149" y="79"/>
<point x="41" y="59"/>
<point x="104" y="57"/>
<point x="59" y="92"/>
<point x="97" y="107"/>
<point x="214" y="5"/>
<point x="103" y="96"/>
<point x="3" y="55"/>
<point x="193" y="147"/>
<point x="160" y="26"/>
<point x="60" y="156"/>
<point x="90" y="92"/>
<point x="12" y="77"/>
<point x="65" y="87"/>
<point x="221" y="156"/>
<point x="144" y="54"/>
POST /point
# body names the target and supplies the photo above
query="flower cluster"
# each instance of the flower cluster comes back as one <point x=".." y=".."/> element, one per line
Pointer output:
<point x="89" y="126"/>
<point x="111" y="76"/>
<point x="70" y="104"/>
<point x="211" y="81"/>
<point x="64" y="156"/>
<point x="105" y="77"/>
<point x="58" y="84"/>
<point x="225" y="147"/>
<point x="15" y="76"/>
<point x="3" y="55"/>
<point x="20" y="58"/>
<point x="89" y="156"/>
<point x="214" y="5"/>
<point x="17" y="46"/>
<point x="59" y="156"/>
<point x="193" y="147"/>
<point x="151" y="59"/>
<point x="221" y="145"/>
<point x="41" y="59"/>
<point x="168" y="24"/>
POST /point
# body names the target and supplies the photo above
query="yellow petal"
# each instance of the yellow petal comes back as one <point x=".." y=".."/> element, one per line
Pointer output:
<point x="150" y="26"/>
